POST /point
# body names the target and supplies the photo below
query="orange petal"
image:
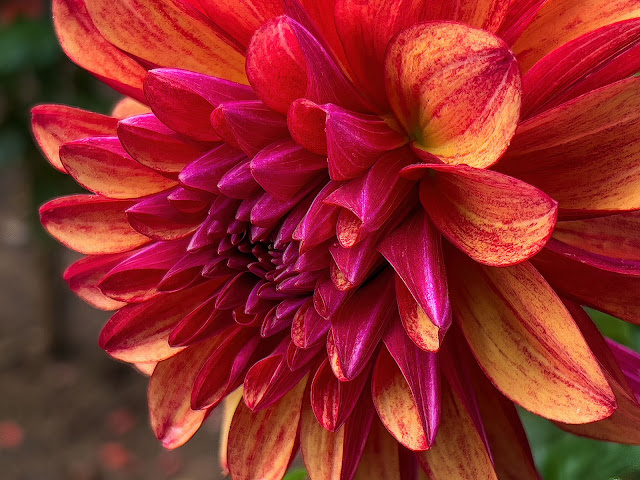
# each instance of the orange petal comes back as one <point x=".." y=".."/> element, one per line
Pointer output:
<point x="415" y="320"/>
<point x="624" y="425"/>
<point x="527" y="342"/>
<point x="229" y="407"/>
<point x="396" y="405"/>
<point x="456" y="91"/>
<point x="54" y="125"/>
<point x="168" y="33"/>
<point x="129" y="107"/>
<point x="616" y="236"/>
<point x="172" y="419"/>
<point x="85" y="45"/>
<point x="102" y="166"/>
<point x="459" y="451"/>
<point x="334" y="455"/>
<point x="380" y="459"/>
<point x="587" y="144"/>
<point x="561" y="21"/>
<point x="495" y="219"/>
<point x="607" y="291"/>
<point x="261" y="444"/>
<point x="90" y="224"/>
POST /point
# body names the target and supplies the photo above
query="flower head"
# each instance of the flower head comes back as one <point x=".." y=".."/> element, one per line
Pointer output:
<point x="367" y="226"/>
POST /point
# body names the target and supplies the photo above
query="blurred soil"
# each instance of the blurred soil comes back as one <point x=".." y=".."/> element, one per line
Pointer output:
<point x="67" y="410"/>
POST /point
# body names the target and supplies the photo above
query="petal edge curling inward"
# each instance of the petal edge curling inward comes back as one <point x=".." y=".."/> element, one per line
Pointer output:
<point x="455" y="90"/>
<point x="168" y="33"/>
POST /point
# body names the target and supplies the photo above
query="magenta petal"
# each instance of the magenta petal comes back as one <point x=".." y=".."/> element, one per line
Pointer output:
<point x="238" y="182"/>
<point x="136" y="278"/>
<point x="271" y="378"/>
<point x="201" y="324"/>
<point x="268" y="210"/>
<point x="225" y="368"/>
<point x="285" y="167"/>
<point x="184" y="100"/>
<point x="420" y="264"/>
<point x="300" y="357"/>
<point x="332" y="400"/>
<point x="236" y="290"/>
<point x="156" y="218"/>
<point x="373" y="197"/>
<point x="421" y="371"/>
<point x="359" y="324"/>
<point x="190" y="201"/>
<point x="205" y="172"/>
<point x="355" y="141"/>
<point x="185" y="271"/>
<point x="308" y="327"/>
<point x="318" y="224"/>
<point x="151" y="143"/>
<point x="327" y="299"/>
<point x="251" y="124"/>
<point x="355" y="263"/>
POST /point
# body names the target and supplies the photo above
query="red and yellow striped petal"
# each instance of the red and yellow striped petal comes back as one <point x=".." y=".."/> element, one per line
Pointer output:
<point x="85" y="45"/>
<point x="102" y="166"/>
<point x="168" y="33"/>
<point x="54" y="125"/>
<point x="560" y="21"/>
<point x="587" y="145"/>
<point x="90" y="224"/>
<point x="172" y="419"/>
<point x="455" y="90"/>
<point x="495" y="219"/>
<point x="527" y="342"/>
<point x="129" y="107"/>
<point x="260" y="444"/>
<point x="459" y="451"/>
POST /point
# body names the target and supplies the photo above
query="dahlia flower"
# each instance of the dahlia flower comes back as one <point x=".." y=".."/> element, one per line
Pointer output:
<point x="367" y="227"/>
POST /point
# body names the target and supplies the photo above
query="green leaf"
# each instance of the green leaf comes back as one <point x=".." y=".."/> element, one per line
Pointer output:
<point x="297" y="474"/>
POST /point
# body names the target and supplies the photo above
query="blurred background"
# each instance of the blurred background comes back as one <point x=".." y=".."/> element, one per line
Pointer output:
<point x="68" y="411"/>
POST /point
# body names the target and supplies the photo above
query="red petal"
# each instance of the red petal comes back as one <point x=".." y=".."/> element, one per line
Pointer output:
<point x="84" y="275"/>
<point x="359" y="324"/>
<point x="184" y="100"/>
<point x="561" y="21"/>
<point x="241" y="18"/>
<point x="276" y="66"/>
<point x="420" y="265"/>
<point x="139" y="332"/>
<point x="606" y="55"/>
<point x="306" y="121"/>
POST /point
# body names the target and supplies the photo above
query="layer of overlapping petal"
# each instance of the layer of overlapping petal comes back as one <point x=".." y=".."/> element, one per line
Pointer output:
<point x="368" y="225"/>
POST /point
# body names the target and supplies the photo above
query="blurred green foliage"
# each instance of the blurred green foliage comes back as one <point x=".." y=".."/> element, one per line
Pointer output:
<point x="33" y="70"/>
